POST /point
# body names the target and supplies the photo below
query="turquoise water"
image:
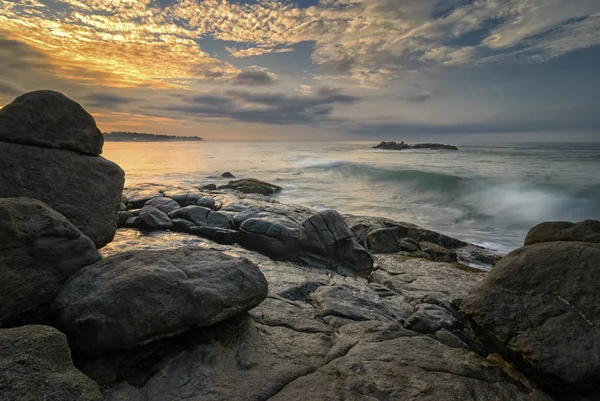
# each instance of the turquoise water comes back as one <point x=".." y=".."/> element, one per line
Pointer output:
<point x="486" y="194"/>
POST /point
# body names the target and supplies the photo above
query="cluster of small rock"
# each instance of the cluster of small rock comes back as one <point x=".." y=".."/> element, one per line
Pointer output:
<point x="223" y="293"/>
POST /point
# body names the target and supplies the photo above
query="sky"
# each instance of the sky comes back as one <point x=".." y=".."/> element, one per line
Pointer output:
<point x="491" y="70"/>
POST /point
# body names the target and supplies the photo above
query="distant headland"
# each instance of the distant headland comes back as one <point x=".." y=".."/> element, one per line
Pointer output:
<point x="126" y="136"/>
<point x="402" y="146"/>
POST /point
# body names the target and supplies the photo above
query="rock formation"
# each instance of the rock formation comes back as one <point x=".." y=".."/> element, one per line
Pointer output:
<point x="392" y="145"/>
<point x="49" y="149"/>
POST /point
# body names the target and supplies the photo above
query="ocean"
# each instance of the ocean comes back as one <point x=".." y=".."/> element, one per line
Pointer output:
<point x="490" y="195"/>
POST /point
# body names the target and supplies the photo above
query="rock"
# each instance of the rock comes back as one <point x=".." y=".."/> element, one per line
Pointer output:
<point x="202" y="216"/>
<point x="137" y="297"/>
<point x="227" y="174"/>
<point x="278" y="237"/>
<point x="407" y="368"/>
<point x="540" y="307"/>
<point x="409" y="245"/>
<point x="163" y="204"/>
<point x="384" y="240"/>
<point x="584" y="231"/>
<point x="49" y="119"/>
<point x="150" y="218"/>
<point x="417" y="278"/>
<point x="220" y="235"/>
<point x="449" y="339"/>
<point x="122" y="218"/>
<point x="328" y="235"/>
<point x="86" y="190"/>
<point x="39" y="251"/>
<point x="35" y="364"/>
<point x="208" y="187"/>
<point x="138" y="196"/>
<point x="391" y="145"/>
<point x="437" y="253"/>
<point x="252" y="186"/>
<point x="355" y="302"/>
<point x="429" y="318"/>
<point x="190" y="197"/>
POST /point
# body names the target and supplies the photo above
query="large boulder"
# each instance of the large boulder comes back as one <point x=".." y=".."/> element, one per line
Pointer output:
<point x="39" y="251"/>
<point x="35" y="364"/>
<point x="86" y="190"/>
<point x="252" y="186"/>
<point x="150" y="218"/>
<point x="202" y="216"/>
<point x="585" y="231"/>
<point x="327" y="234"/>
<point x="134" y="298"/>
<point x="278" y="237"/>
<point x="540" y="307"/>
<point x="49" y="119"/>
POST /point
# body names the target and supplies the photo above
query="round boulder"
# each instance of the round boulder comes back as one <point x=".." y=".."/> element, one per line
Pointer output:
<point x="585" y="231"/>
<point x="49" y="119"/>
<point x="540" y="307"/>
<point x="133" y="298"/>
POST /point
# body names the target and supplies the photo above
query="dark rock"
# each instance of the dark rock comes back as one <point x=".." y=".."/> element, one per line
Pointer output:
<point x="202" y="216"/>
<point x="437" y="253"/>
<point x="252" y="186"/>
<point x="429" y="318"/>
<point x="278" y="237"/>
<point x="407" y="368"/>
<point x="449" y="339"/>
<point x="392" y="145"/>
<point x="540" y="308"/>
<point x="227" y="174"/>
<point x="356" y="302"/>
<point x="328" y="235"/>
<point x="39" y="251"/>
<point x="433" y="146"/>
<point x="140" y="194"/>
<point x="49" y="119"/>
<point x="190" y="197"/>
<point x="122" y="218"/>
<point x="150" y="218"/>
<point x="409" y="245"/>
<point x="137" y="297"/>
<point x="584" y="231"/>
<point x="163" y="204"/>
<point x="219" y="235"/>
<point x="208" y="187"/>
<point x="35" y="364"/>
<point x="86" y="190"/>
<point x="384" y="240"/>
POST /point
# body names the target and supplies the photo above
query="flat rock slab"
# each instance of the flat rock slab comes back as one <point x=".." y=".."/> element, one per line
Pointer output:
<point x="86" y="190"/>
<point x="407" y="368"/>
<point x="540" y="305"/>
<point x="49" y="119"/>
<point x="39" y="250"/>
<point x="35" y="364"/>
<point x="134" y="298"/>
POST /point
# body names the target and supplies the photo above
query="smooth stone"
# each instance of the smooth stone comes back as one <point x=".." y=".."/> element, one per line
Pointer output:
<point x="252" y="186"/>
<point x="138" y="195"/>
<point x="409" y="245"/>
<point x="429" y="318"/>
<point x="190" y="197"/>
<point x="39" y="250"/>
<point x="540" y="308"/>
<point x="35" y="364"/>
<point x="208" y="187"/>
<point x="85" y="189"/>
<point x="163" y="204"/>
<point x="202" y="216"/>
<point x="150" y="218"/>
<point x="219" y="235"/>
<point x="227" y="174"/>
<point x="584" y="231"/>
<point x="134" y="298"/>
<point x="278" y="237"/>
<point x="49" y="119"/>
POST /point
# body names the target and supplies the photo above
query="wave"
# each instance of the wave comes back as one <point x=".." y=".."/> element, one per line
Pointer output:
<point x="470" y="198"/>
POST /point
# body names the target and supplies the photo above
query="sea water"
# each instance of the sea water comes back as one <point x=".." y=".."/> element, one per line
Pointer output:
<point x="488" y="194"/>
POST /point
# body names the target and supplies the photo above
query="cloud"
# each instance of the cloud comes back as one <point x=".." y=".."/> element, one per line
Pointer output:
<point x="108" y="100"/>
<point x="267" y="108"/>
<point x="253" y="78"/>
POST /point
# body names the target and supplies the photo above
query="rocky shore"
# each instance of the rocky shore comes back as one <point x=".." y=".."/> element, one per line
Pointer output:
<point x="224" y="293"/>
<point x="392" y="145"/>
